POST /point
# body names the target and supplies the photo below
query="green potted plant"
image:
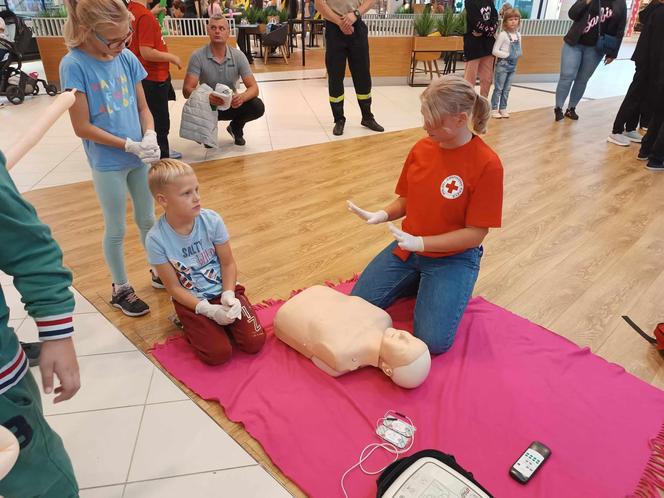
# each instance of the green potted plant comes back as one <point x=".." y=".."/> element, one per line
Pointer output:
<point x="452" y="27"/>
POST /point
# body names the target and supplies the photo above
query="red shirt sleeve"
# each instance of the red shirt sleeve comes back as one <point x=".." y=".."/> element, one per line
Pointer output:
<point x="485" y="207"/>
<point x="402" y="184"/>
<point x="145" y="31"/>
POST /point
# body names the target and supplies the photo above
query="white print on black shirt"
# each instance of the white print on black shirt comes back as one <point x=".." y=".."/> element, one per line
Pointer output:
<point x="606" y="13"/>
<point x="486" y="13"/>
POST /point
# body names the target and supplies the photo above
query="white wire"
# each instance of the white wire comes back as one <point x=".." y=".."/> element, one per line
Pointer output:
<point x="389" y="447"/>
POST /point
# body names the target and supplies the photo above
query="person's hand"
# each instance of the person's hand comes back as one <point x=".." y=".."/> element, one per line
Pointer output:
<point x="348" y="20"/>
<point x="150" y="147"/>
<point x="216" y="101"/>
<point x="176" y="61"/>
<point x="215" y="312"/>
<point x="59" y="357"/>
<point x="406" y="241"/>
<point x="147" y="149"/>
<point x="609" y="60"/>
<point x="235" y="306"/>
<point x="157" y="9"/>
<point x="346" y="29"/>
<point x="237" y="100"/>
<point x="476" y="33"/>
<point x="371" y="217"/>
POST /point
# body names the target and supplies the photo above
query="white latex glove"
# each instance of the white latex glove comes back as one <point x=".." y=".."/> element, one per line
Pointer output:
<point x="406" y="241"/>
<point x="149" y="140"/>
<point x="147" y="149"/>
<point x="228" y="299"/>
<point x="371" y="217"/>
<point x="216" y="312"/>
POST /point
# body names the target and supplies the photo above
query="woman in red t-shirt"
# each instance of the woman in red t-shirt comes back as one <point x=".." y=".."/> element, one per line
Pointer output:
<point x="450" y="192"/>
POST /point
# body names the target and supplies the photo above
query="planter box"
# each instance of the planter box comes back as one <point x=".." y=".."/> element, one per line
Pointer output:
<point x="437" y="43"/>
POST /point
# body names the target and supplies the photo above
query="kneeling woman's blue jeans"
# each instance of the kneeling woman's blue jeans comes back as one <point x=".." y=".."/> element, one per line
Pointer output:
<point x="443" y="287"/>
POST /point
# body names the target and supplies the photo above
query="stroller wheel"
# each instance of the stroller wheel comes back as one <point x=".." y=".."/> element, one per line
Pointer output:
<point x="35" y="90"/>
<point x="51" y="90"/>
<point x="15" y="94"/>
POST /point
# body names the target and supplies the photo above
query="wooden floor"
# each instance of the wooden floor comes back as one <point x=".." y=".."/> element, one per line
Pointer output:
<point x="581" y="245"/>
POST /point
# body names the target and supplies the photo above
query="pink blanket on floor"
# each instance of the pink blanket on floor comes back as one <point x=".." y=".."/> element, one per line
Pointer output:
<point x="504" y="383"/>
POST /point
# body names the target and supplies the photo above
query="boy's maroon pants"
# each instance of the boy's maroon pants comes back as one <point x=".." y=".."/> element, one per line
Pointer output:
<point x="211" y="341"/>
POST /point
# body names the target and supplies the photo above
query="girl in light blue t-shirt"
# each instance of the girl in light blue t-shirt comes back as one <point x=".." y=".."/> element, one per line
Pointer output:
<point x="112" y="117"/>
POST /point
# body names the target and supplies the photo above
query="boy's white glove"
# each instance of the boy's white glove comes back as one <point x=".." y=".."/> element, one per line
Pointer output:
<point x="406" y="241"/>
<point x="371" y="217"/>
<point x="147" y="149"/>
<point x="215" y="312"/>
<point x="235" y="306"/>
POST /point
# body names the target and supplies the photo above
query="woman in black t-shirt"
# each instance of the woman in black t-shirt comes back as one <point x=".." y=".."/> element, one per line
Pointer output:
<point x="580" y="55"/>
<point x="478" y="43"/>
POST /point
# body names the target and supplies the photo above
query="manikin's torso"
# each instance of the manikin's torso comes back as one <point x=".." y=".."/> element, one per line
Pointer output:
<point x="343" y="332"/>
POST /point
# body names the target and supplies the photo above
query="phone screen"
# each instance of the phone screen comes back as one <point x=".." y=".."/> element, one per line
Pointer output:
<point x="530" y="461"/>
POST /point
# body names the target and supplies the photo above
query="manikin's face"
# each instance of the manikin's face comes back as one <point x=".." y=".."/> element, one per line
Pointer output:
<point x="181" y="198"/>
<point x="400" y="348"/>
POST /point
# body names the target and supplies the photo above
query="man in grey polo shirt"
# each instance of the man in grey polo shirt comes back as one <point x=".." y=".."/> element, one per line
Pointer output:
<point x="218" y="62"/>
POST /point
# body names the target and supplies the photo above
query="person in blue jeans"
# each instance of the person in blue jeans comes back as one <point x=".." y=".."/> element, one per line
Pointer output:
<point x="450" y="192"/>
<point x="581" y="53"/>
<point x="507" y="50"/>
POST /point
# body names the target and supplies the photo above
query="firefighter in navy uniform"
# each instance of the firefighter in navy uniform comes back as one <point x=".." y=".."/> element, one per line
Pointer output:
<point x="346" y="38"/>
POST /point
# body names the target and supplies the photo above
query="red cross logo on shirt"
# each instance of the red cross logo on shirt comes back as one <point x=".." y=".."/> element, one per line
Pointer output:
<point x="451" y="187"/>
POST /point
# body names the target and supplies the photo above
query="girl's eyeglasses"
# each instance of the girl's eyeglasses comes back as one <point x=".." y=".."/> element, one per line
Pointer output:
<point x="115" y="44"/>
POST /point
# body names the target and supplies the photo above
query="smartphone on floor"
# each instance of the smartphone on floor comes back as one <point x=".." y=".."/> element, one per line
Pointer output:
<point x="529" y="462"/>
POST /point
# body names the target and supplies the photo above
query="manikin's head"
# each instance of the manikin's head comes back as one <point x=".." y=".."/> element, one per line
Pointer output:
<point x="404" y="358"/>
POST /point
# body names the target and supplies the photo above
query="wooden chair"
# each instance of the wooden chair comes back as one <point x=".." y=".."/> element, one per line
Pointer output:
<point x="277" y="38"/>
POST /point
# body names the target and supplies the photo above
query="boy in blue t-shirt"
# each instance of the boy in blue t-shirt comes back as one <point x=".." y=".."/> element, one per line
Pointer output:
<point x="190" y="248"/>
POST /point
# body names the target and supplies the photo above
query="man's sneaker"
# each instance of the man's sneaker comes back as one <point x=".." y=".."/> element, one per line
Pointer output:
<point x="129" y="303"/>
<point x="495" y="114"/>
<point x="643" y="156"/>
<point x="371" y="124"/>
<point x="32" y="351"/>
<point x="339" y="127"/>
<point x="633" y="136"/>
<point x="504" y="113"/>
<point x="156" y="281"/>
<point x="237" y="137"/>
<point x="174" y="154"/>
<point x="655" y="165"/>
<point x="558" y="112"/>
<point x="571" y="113"/>
<point x="618" y="139"/>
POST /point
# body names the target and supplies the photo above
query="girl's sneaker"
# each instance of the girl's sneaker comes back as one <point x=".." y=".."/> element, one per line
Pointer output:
<point x="558" y="112"/>
<point x="128" y="302"/>
<point x="571" y="113"/>
<point x="504" y="113"/>
<point x="496" y="114"/>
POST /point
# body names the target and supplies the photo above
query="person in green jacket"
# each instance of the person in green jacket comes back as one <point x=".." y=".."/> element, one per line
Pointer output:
<point x="29" y="254"/>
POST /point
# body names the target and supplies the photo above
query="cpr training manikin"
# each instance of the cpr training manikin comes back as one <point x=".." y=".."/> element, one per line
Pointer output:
<point x="341" y="333"/>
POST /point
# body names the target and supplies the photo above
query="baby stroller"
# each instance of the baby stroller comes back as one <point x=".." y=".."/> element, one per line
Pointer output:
<point x="14" y="83"/>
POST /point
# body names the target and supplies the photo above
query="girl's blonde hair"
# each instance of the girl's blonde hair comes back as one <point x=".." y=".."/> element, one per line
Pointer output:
<point x="92" y="14"/>
<point x="509" y="14"/>
<point x="452" y="94"/>
<point x="164" y="172"/>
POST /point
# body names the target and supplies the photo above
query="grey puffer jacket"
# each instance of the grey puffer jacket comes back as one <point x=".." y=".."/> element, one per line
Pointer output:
<point x="199" y="120"/>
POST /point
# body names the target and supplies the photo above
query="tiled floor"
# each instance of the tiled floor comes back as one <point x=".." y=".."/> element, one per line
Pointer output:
<point x="130" y="431"/>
